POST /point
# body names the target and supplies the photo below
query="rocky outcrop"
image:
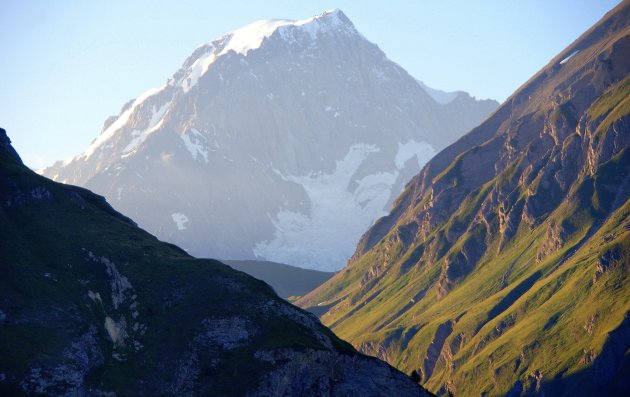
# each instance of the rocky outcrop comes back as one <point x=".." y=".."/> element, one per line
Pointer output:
<point x="318" y="373"/>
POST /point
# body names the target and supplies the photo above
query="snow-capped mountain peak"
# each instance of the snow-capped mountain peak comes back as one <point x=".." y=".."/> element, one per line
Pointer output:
<point x="282" y="140"/>
<point x="240" y="41"/>
<point x="251" y="36"/>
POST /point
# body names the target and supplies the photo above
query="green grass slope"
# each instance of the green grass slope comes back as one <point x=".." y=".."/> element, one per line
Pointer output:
<point x="91" y="305"/>
<point x="503" y="267"/>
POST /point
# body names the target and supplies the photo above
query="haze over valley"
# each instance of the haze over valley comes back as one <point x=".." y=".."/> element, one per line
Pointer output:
<point x="298" y="210"/>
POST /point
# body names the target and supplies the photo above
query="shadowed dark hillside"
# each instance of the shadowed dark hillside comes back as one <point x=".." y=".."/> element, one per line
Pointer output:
<point x="91" y="305"/>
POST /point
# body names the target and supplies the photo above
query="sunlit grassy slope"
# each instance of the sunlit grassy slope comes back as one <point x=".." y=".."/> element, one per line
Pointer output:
<point x="503" y="267"/>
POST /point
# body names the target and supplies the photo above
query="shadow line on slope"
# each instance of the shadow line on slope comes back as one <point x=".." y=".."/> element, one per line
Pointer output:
<point x="511" y="297"/>
<point x="402" y="311"/>
<point x="606" y="376"/>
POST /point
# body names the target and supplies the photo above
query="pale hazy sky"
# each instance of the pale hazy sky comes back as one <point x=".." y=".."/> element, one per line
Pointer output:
<point x="68" y="65"/>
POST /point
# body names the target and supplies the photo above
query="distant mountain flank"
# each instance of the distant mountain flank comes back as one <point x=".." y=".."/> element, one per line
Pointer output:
<point x="282" y="140"/>
<point x="289" y="282"/>
<point x="502" y="269"/>
<point x="92" y="305"/>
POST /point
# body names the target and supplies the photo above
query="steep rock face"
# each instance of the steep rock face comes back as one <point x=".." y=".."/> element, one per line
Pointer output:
<point x="91" y="305"/>
<point x="502" y="268"/>
<point x="303" y="129"/>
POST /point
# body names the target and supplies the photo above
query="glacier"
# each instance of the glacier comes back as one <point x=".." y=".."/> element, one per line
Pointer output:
<point x="325" y="238"/>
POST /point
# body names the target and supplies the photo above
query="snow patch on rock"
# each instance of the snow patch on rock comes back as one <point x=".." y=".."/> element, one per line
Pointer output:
<point x="199" y="68"/>
<point x="406" y="151"/>
<point x="375" y="187"/>
<point x="194" y="142"/>
<point x="139" y="136"/>
<point x="180" y="220"/>
<point x="565" y="60"/>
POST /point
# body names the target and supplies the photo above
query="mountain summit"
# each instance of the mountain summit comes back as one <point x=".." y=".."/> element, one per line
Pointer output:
<point x="282" y="140"/>
<point x="502" y="269"/>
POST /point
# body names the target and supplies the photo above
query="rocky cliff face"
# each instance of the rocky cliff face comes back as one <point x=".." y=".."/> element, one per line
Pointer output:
<point x="91" y="305"/>
<point x="502" y="268"/>
<point x="282" y="140"/>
